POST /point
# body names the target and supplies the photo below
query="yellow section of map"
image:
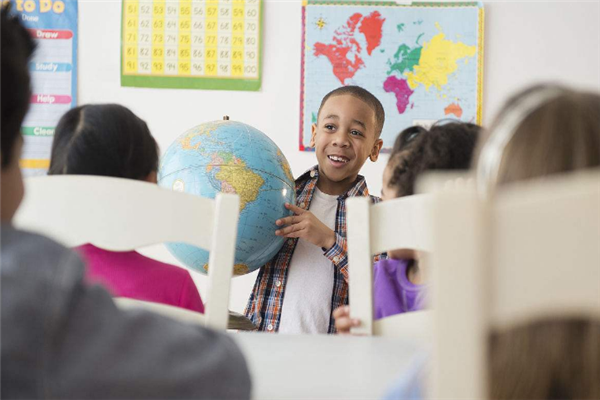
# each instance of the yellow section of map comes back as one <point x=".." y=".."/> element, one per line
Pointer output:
<point x="439" y="59"/>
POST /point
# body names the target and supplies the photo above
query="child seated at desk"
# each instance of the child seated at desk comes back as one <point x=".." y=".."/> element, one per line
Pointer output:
<point x="542" y="131"/>
<point x="399" y="285"/>
<point x="63" y="339"/>
<point x="110" y="140"/>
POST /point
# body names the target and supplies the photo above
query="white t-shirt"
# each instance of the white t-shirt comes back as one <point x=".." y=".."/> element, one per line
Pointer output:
<point x="307" y="298"/>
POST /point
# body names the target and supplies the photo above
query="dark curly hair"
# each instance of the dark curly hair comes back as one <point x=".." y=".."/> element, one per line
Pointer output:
<point x="447" y="146"/>
<point x="364" y="95"/>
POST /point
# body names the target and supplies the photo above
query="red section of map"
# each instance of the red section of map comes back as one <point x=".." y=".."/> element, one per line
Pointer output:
<point x="343" y="68"/>
<point x="371" y="28"/>
<point x="454" y="109"/>
<point x="402" y="91"/>
<point x="344" y="53"/>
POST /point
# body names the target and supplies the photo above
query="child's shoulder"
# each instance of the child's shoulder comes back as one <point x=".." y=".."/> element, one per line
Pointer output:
<point x="41" y="272"/>
<point x="32" y="254"/>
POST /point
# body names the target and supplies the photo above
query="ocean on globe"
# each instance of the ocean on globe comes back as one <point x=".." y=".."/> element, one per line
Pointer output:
<point x="232" y="157"/>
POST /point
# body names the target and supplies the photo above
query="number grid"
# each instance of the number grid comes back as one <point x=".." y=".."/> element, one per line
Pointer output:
<point x="212" y="44"/>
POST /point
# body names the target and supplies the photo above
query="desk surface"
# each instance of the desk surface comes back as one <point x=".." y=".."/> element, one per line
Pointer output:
<point x="324" y="366"/>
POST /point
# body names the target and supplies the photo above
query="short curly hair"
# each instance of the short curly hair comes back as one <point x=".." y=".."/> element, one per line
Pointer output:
<point x="364" y="95"/>
<point x="447" y="146"/>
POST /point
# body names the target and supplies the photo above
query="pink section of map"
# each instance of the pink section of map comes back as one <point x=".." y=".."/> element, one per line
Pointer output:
<point x="401" y="90"/>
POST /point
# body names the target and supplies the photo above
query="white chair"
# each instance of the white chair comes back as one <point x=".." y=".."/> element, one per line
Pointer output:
<point x="177" y="313"/>
<point x="122" y="214"/>
<point x="401" y="223"/>
<point x="236" y="321"/>
<point x="533" y="252"/>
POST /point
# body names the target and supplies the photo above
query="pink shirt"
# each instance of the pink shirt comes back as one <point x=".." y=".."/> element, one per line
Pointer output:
<point x="130" y="274"/>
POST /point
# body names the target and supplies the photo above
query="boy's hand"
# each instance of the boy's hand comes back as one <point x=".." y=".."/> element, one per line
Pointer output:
<point x="343" y="322"/>
<point x="306" y="226"/>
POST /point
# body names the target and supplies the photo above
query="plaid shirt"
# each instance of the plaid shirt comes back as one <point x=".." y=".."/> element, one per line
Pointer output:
<point x="266" y="300"/>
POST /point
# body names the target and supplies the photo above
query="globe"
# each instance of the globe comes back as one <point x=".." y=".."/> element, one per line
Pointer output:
<point x="232" y="157"/>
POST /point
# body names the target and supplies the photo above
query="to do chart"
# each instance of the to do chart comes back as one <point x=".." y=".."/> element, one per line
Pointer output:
<point x="210" y="44"/>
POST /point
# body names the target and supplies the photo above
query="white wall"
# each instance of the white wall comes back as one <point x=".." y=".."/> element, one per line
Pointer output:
<point x="525" y="42"/>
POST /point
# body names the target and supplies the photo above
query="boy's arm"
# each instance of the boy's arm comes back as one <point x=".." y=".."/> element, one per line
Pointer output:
<point x="305" y="225"/>
<point x="338" y="254"/>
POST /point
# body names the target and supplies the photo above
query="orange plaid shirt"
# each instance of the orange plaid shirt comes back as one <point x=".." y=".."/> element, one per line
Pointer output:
<point x="266" y="300"/>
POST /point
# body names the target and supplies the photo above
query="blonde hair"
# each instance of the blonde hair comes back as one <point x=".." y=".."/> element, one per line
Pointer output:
<point x="544" y="130"/>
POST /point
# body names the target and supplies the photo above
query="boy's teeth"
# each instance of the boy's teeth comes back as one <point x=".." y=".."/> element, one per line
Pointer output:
<point x="338" y="159"/>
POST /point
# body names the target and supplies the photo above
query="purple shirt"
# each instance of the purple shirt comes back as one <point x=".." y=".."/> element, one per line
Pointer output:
<point x="393" y="292"/>
<point x="130" y="274"/>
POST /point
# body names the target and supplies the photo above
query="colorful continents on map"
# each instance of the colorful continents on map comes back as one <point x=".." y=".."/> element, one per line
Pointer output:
<point x="428" y="64"/>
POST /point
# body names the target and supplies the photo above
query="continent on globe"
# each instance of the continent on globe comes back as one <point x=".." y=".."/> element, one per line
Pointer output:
<point x="232" y="157"/>
<point x="344" y="54"/>
<point x="239" y="180"/>
<point x="455" y="109"/>
<point x="285" y="166"/>
<point x="401" y="90"/>
<point x="438" y="60"/>
<point x="238" y="269"/>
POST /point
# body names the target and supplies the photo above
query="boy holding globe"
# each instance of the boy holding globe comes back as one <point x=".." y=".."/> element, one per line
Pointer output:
<point x="311" y="270"/>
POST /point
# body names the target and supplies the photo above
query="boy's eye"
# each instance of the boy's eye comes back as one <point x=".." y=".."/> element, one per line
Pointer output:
<point x="354" y="132"/>
<point x="329" y="127"/>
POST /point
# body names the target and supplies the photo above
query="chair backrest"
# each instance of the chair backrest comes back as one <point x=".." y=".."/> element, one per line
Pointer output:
<point x="237" y="322"/>
<point x="402" y="223"/>
<point x="531" y="252"/>
<point x="121" y="214"/>
<point x="177" y="313"/>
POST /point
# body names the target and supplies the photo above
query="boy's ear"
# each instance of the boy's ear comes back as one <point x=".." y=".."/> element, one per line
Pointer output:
<point x="376" y="149"/>
<point x="313" y="135"/>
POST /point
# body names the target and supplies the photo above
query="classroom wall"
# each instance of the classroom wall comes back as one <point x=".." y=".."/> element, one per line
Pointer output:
<point x="525" y="43"/>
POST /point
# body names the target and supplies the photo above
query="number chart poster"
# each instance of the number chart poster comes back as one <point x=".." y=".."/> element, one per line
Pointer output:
<point x="423" y="61"/>
<point x="192" y="44"/>
<point x="53" y="69"/>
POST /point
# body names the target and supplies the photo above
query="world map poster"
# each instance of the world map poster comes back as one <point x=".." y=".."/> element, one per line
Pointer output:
<point x="423" y="61"/>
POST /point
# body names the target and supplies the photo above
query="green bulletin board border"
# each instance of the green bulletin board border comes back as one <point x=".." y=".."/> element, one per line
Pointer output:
<point x="212" y="83"/>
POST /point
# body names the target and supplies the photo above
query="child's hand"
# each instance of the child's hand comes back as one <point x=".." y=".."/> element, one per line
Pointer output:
<point x="306" y="226"/>
<point x="343" y="322"/>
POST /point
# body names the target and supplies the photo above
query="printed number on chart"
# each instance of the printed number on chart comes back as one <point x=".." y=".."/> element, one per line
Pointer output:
<point x="198" y="68"/>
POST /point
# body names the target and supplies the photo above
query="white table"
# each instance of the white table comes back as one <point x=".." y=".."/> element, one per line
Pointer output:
<point x="324" y="366"/>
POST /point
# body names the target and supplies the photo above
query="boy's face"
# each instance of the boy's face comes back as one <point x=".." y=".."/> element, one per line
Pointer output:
<point x="344" y="137"/>
<point x="11" y="184"/>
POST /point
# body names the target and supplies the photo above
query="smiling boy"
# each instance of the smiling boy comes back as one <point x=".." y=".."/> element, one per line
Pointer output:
<point x="297" y="291"/>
